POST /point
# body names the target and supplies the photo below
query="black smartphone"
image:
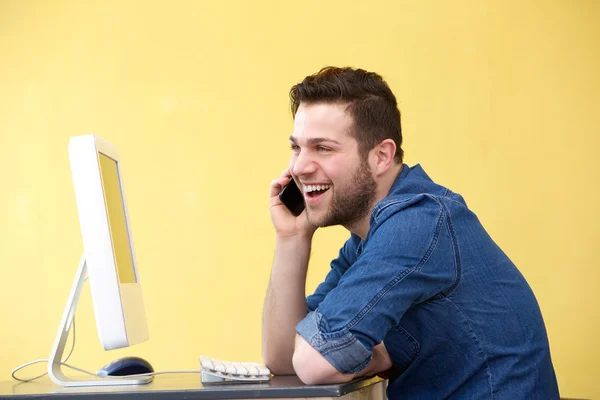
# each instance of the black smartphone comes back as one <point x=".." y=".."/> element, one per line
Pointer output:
<point x="291" y="196"/>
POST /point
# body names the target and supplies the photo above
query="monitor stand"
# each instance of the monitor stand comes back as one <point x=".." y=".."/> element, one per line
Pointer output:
<point x="54" y="362"/>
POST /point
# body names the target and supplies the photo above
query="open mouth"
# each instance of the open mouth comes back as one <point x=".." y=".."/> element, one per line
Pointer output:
<point x="314" y="191"/>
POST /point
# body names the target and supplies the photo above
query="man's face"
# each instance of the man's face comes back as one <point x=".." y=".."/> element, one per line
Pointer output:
<point x="337" y="184"/>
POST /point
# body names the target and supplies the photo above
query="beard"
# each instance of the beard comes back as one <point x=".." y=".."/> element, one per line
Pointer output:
<point x="351" y="202"/>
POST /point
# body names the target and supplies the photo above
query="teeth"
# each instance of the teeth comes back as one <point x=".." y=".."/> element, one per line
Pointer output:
<point x="314" y="188"/>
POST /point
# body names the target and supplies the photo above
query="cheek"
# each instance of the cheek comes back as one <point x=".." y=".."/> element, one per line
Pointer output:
<point x="334" y="172"/>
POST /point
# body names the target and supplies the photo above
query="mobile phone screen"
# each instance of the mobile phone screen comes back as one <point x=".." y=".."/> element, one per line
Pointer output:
<point x="291" y="196"/>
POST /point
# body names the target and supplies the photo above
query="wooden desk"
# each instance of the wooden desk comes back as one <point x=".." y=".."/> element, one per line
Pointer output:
<point x="189" y="387"/>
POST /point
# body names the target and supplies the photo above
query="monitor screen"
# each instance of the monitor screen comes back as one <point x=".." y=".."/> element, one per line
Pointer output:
<point x="113" y="198"/>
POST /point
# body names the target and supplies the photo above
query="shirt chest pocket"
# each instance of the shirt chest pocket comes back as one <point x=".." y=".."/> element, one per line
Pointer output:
<point x="401" y="347"/>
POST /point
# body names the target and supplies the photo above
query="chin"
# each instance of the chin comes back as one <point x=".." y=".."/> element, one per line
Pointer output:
<point x="319" y="222"/>
<point x="316" y="220"/>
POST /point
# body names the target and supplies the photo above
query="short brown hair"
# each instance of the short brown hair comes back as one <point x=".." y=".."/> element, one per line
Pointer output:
<point x="371" y="104"/>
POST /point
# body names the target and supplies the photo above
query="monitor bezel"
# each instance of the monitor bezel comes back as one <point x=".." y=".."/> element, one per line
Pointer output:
<point x="118" y="307"/>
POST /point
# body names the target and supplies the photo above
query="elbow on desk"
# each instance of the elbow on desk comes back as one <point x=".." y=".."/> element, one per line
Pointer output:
<point x="316" y="370"/>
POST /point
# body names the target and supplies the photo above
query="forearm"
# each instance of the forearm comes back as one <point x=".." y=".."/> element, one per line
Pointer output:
<point x="285" y="302"/>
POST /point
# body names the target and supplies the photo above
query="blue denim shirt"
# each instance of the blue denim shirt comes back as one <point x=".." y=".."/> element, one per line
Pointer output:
<point x="456" y="316"/>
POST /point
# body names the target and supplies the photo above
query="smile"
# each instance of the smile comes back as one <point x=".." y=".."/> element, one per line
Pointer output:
<point x="312" y="192"/>
<point x="315" y="188"/>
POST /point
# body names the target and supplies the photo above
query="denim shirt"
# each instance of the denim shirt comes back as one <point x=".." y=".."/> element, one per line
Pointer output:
<point x="456" y="316"/>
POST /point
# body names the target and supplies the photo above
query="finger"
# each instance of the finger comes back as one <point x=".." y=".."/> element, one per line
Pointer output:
<point x="274" y="201"/>
<point x="277" y="185"/>
<point x="286" y="173"/>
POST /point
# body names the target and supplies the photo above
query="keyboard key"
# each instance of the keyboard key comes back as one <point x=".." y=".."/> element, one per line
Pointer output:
<point x="252" y="370"/>
<point x="241" y="370"/>
<point x="206" y="363"/>
<point x="219" y="366"/>
<point x="262" y="370"/>
<point x="229" y="368"/>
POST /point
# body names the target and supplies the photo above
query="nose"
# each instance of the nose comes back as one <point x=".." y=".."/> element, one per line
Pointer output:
<point x="302" y="164"/>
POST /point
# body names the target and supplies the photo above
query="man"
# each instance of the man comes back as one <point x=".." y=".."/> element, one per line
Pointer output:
<point x="419" y="292"/>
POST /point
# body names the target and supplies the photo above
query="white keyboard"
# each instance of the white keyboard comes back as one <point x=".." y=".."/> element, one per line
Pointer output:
<point x="217" y="371"/>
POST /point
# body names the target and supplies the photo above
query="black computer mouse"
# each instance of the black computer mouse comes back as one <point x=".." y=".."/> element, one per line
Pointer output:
<point x="126" y="366"/>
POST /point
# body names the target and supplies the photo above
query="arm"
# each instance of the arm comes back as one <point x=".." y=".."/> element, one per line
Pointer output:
<point x="285" y="302"/>
<point x="313" y="369"/>
<point x="405" y="262"/>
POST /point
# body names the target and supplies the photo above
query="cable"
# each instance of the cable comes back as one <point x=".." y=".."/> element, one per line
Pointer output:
<point x="64" y="362"/>
<point x="182" y="371"/>
<point x="14" y="371"/>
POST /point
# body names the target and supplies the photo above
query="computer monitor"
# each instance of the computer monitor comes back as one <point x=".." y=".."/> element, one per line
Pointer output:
<point x="108" y="259"/>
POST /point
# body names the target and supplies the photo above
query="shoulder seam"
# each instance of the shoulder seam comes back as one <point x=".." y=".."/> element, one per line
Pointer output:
<point x="455" y="250"/>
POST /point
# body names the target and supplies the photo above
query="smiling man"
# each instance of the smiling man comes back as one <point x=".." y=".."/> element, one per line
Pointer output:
<point x="419" y="292"/>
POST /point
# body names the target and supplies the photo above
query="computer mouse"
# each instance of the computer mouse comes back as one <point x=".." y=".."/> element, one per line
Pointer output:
<point x="126" y="366"/>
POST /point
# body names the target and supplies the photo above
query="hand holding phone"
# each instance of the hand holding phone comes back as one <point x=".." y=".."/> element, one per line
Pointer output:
<point x="292" y="198"/>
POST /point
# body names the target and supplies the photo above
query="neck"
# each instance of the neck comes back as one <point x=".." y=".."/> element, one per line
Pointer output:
<point x="362" y="226"/>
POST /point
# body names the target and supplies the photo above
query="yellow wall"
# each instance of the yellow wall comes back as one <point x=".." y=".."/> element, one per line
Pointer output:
<point x="499" y="101"/>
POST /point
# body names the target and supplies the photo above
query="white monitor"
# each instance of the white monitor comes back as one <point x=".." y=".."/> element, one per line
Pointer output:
<point x="108" y="258"/>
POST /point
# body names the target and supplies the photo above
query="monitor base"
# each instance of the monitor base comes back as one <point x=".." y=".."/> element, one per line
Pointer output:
<point x="54" y="361"/>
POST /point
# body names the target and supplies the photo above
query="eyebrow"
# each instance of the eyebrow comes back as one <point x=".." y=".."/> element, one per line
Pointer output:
<point x="314" y="141"/>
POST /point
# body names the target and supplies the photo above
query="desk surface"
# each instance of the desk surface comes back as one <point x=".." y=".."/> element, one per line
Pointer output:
<point x="188" y="386"/>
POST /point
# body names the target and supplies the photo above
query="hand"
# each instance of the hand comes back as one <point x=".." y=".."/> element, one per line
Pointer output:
<point x="385" y="368"/>
<point x="285" y="223"/>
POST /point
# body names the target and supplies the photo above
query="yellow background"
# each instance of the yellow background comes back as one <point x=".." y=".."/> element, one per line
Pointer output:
<point x="500" y="102"/>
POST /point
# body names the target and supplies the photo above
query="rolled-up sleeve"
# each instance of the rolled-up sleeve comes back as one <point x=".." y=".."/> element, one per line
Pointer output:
<point x="406" y="260"/>
<point x="341" y="349"/>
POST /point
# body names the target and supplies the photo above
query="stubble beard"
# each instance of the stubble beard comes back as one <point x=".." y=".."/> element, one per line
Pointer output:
<point x="350" y="203"/>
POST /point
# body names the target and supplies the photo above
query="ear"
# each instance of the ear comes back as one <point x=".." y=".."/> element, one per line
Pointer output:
<point x="382" y="156"/>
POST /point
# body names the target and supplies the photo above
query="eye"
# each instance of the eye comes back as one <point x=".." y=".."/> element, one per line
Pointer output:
<point x="294" y="147"/>
<point x="323" y="149"/>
